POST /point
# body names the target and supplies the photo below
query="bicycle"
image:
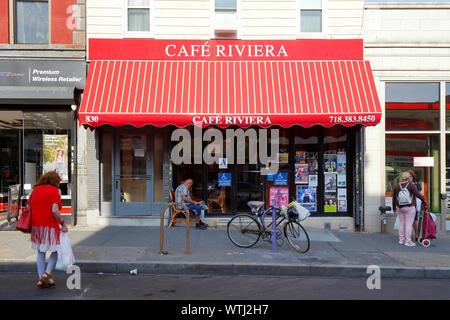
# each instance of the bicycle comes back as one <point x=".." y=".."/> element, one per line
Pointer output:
<point x="245" y="230"/>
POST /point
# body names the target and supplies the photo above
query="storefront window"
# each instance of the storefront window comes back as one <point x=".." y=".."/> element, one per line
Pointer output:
<point x="412" y="106"/>
<point x="10" y="149"/>
<point x="277" y="185"/>
<point x="306" y="167"/>
<point x="47" y="145"/>
<point x="335" y="170"/>
<point x="192" y="170"/>
<point x="219" y="177"/>
<point x="411" y="152"/>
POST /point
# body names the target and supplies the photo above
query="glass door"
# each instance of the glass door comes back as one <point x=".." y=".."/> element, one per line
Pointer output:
<point x="133" y="178"/>
<point x="138" y="179"/>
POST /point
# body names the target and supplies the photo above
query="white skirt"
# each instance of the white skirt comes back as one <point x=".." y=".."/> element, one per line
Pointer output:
<point x="44" y="239"/>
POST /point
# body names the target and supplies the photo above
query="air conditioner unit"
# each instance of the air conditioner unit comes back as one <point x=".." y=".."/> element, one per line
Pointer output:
<point x="225" y="22"/>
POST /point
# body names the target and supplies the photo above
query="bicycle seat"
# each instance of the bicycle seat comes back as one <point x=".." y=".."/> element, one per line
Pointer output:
<point x="256" y="206"/>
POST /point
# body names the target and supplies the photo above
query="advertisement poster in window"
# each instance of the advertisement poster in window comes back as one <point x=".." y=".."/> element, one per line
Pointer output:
<point x="341" y="163"/>
<point x="342" y="199"/>
<point x="330" y="205"/>
<point x="330" y="182"/>
<point x="306" y="196"/>
<point x="313" y="166"/>
<point x="342" y="180"/>
<point x="313" y="180"/>
<point x="300" y="157"/>
<point x="330" y="162"/>
<point x="342" y="205"/>
<point x="281" y="195"/>
<point x="55" y="147"/>
<point x="301" y="173"/>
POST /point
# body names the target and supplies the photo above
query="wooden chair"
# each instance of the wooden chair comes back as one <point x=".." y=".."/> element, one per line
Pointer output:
<point x="175" y="212"/>
<point x="220" y="201"/>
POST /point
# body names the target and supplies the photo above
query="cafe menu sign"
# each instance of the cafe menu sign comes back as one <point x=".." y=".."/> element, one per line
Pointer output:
<point x="36" y="73"/>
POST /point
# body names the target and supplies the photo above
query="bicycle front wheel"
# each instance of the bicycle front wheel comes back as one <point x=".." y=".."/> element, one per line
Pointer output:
<point x="243" y="230"/>
<point x="297" y="236"/>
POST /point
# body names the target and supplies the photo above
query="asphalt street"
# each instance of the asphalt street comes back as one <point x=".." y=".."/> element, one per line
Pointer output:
<point x="19" y="286"/>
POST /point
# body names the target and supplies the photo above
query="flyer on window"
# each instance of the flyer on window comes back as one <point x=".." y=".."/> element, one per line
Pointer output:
<point x="342" y="194"/>
<point x="313" y="166"/>
<point x="330" y="182"/>
<point x="281" y="195"/>
<point x="341" y="163"/>
<point x="55" y="148"/>
<point x="301" y="173"/>
<point x="342" y="180"/>
<point x="330" y="162"/>
<point x="306" y="196"/>
<point x="330" y="205"/>
<point x="300" y="157"/>
<point x="342" y="205"/>
<point x="313" y="180"/>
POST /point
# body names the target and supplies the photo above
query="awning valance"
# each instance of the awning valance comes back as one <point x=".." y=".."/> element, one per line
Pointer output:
<point x="224" y="93"/>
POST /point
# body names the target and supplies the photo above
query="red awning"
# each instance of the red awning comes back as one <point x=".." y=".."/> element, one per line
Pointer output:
<point x="224" y="93"/>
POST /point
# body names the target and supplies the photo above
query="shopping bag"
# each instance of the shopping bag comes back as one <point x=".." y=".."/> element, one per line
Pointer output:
<point x="65" y="254"/>
<point x="397" y="223"/>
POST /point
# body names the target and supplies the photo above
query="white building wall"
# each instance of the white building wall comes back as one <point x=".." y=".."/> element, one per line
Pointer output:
<point x="403" y="42"/>
<point x="258" y="19"/>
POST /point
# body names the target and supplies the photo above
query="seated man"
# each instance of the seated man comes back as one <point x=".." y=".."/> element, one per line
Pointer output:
<point x="182" y="195"/>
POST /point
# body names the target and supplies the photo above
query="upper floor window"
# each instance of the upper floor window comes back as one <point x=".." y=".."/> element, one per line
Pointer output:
<point x="224" y="19"/>
<point x="311" y="16"/>
<point x="138" y="16"/>
<point x="31" y="21"/>
<point x="225" y="5"/>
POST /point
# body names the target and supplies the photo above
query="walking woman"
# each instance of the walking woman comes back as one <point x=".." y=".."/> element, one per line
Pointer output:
<point x="405" y="206"/>
<point x="46" y="224"/>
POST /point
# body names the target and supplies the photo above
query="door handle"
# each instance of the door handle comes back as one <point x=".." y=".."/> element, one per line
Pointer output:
<point x="117" y="184"/>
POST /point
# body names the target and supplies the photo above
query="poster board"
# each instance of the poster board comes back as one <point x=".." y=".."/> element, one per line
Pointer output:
<point x="55" y="150"/>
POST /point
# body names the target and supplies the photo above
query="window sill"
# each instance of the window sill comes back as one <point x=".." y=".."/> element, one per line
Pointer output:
<point x="312" y="35"/>
<point x="137" y="35"/>
<point x="42" y="46"/>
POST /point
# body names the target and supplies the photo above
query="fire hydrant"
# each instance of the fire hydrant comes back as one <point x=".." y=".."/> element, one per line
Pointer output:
<point x="383" y="217"/>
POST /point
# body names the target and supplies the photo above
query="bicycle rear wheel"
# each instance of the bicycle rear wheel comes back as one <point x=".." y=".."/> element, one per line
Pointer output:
<point x="297" y="236"/>
<point x="243" y="230"/>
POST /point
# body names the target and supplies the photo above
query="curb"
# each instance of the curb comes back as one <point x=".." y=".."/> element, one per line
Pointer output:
<point x="351" y="271"/>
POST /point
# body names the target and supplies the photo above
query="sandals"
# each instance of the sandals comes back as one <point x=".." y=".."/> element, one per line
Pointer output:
<point x="43" y="283"/>
<point x="50" y="280"/>
<point x="46" y="281"/>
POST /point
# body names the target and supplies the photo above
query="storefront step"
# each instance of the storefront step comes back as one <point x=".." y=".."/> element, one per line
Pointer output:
<point x="333" y="223"/>
<point x="150" y="221"/>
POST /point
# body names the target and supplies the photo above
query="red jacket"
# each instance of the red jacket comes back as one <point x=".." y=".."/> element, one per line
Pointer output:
<point x="42" y="200"/>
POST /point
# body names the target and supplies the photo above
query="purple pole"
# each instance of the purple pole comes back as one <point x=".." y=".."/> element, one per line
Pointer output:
<point x="274" y="227"/>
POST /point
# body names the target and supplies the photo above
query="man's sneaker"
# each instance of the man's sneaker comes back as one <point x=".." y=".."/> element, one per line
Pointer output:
<point x="200" y="226"/>
<point x="204" y="224"/>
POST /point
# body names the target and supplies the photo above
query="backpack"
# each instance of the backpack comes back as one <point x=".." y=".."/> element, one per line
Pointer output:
<point x="404" y="196"/>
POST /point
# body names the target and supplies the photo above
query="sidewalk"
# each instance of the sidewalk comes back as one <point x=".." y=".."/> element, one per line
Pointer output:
<point x="333" y="253"/>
